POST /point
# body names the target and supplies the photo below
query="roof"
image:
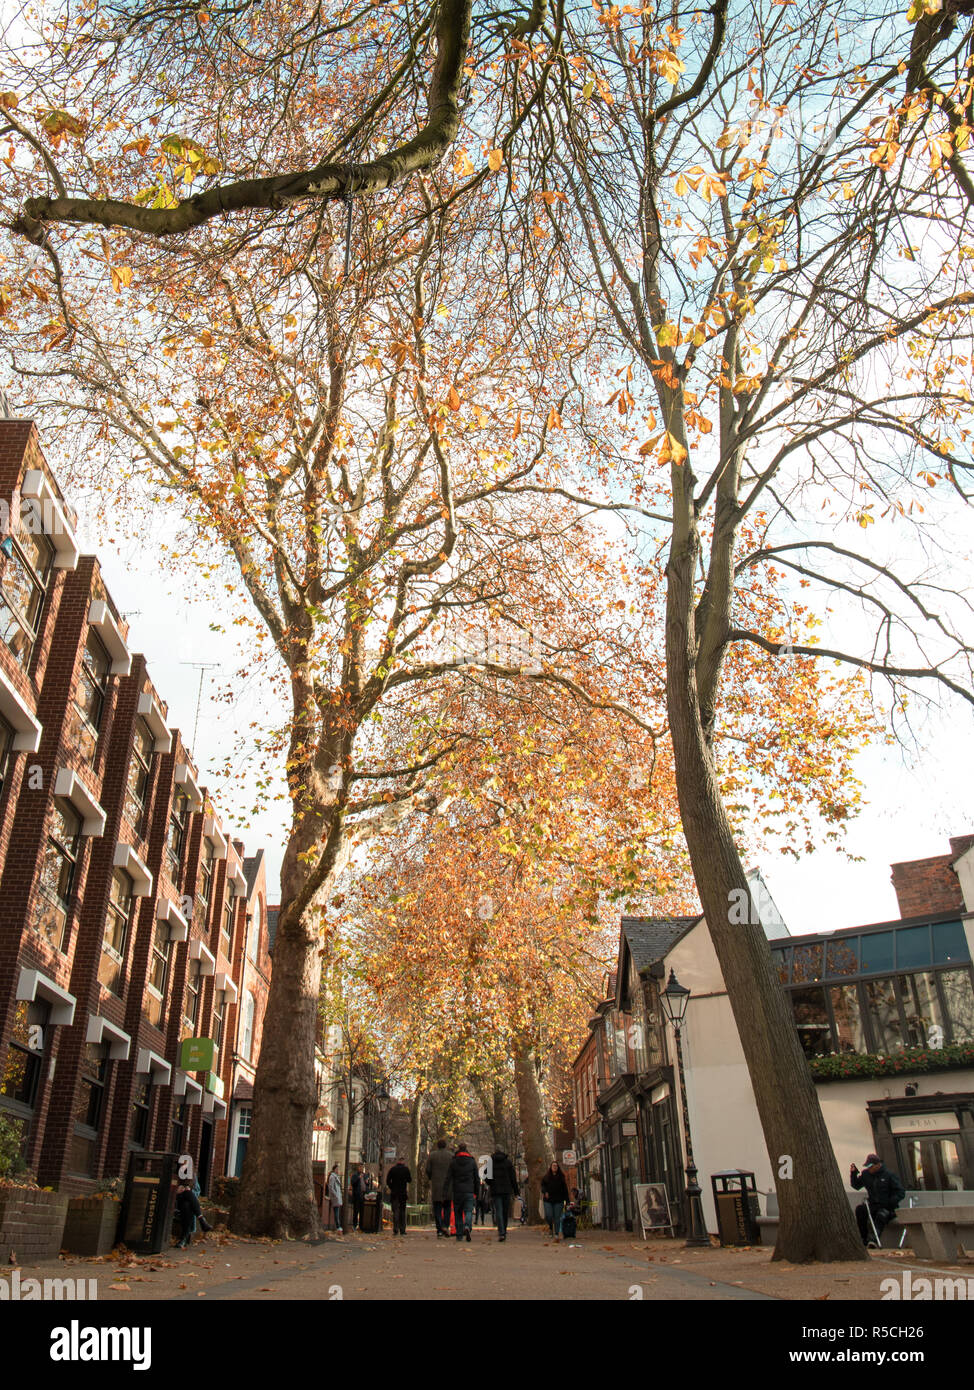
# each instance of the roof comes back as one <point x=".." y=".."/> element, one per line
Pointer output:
<point x="251" y="868"/>
<point x="650" y="938"/>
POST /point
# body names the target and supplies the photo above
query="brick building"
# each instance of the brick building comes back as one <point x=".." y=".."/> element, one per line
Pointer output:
<point x="128" y="919"/>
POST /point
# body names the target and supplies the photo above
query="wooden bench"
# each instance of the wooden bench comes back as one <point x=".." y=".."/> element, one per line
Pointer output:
<point x="938" y="1233"/>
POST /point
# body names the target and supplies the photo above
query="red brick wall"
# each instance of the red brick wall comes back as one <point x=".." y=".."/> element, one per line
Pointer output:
<point x="927" y="885"/>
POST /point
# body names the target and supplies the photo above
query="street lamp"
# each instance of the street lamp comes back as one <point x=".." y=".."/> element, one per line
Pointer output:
<point x="675" y="999"/>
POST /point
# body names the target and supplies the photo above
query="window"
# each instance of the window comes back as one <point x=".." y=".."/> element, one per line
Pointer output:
<point x="206" y="877"/>
<point x="243" y="1134"/>
<point x="57" y="874"/>
<point x="959" y="1000"/>
<point x="226" y="929"/>
<point x="842" y="957"/>
<point x="912" y="947"/>
<point x="931" y="1165"/>
<point x="256" y="926"/>
<point x="884" y="1015"/>
<point x="6" y="750"/>
<point x="807" y="965"/>
<point x="179" y="1116"/>
<point x="192" y="1005"/>
<point x="921" y="1007"/>
<point x="178" y="820"/>
<point x="25" y="570"/>
<point x="25" y="1055"/>
<point x="218" y="1016"/>
<point x="949" y="943"/>
<point x="140" y="771"/>
<point x="88" y="1109"/>
<point x="850" y="1033"/>
<point x="155" y="990"/>
<point x="812" y="1021"/>
<point x="93" y="680"/>
<point x="877" y="952"/>
<point x="247" y="1032"/>
<point x="117" y="922"/>
<point x="141" y="1098"/>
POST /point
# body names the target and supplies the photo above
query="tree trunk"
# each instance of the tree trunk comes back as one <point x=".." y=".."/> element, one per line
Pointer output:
<point x="816" y="1222"/>
<point x="537" y="1148"/>
<point x="276" y="1194"/>
<point x="415" y="1126"/>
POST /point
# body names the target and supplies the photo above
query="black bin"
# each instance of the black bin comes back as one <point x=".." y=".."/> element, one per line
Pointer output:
<point x="145" y="1224"/>
<point x="370" y="1213"/>
<point x="736" y="1199"/>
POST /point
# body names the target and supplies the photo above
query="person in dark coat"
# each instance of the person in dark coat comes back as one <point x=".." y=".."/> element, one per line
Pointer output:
<point x="188" y="1209"/>
<point x="884" y="1192"/>
<point x="554" y="1193"/>
<point x="398" y="1179"/>
<point x="358" y="1197"/>
<point x="438" y="1172"/>
<point x="464" y="1186"/>
<point x="503" y="1188"/>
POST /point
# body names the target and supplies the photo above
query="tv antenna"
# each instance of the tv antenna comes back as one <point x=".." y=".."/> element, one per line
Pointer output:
<point x="202" y="667"/>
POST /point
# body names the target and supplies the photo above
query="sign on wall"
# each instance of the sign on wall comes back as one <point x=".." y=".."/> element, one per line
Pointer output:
<point x="196" y="1054"/>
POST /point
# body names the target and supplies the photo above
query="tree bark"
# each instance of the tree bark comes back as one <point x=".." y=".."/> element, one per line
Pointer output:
<point x="816" y="1222"/>
<point x="538" y="1153"/>
<point x="415" y="1126"/>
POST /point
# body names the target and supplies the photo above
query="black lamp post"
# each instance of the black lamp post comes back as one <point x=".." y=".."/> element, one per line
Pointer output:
<point x="675" y="999"/>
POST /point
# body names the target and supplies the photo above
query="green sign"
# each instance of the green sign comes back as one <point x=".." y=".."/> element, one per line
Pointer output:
<point x="196" y="1054"/>
<point x="213" y="1084"/>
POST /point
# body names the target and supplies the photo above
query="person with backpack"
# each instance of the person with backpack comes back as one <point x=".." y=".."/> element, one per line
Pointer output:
<point x="884" y="1192"/>
<point x="554" y="1193"/>
<point x="187" y="1209"/>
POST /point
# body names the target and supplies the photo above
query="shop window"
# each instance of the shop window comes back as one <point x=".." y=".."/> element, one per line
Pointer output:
<point x="959" y="1000"/>
<point x="57" y="874"/>
<point x="930" y="1164"/>
<point x="121" y="910"/>
<point x="812" y="1021"/>
<point x="842" y="957"/>
<point x="850" y="1033"/>
<point x="884" y="1015"/>
<point x="782" y="963"/>
<point x="921" y="1007"/>
<point x="807" y="964"/>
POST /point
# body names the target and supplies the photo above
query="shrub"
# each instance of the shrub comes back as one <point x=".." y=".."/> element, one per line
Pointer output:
<point x="12" y="1162"/>
<point x="848" y="1066"/>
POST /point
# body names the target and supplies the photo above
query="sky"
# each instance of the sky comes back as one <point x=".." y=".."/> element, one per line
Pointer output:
<point x="917" y="798"/>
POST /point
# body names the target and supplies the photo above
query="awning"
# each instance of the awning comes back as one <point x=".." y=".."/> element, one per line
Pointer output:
<point x="178" y="925"/>
<point x="127" y="859"/>
<point x="198" y="950"/>
<point x="100" y="1028"/>
<point x="152" y="714"/>
<point x="52" y="517"/>
<point x="185" y="779"/>
<point x="151" y="1064"/>
<point x="33" y="985"/>
<point x="224" y="983"/>
<point x="184" y="1085"/>
<point x="238" y="881"/>
<point x="216" y="837"/>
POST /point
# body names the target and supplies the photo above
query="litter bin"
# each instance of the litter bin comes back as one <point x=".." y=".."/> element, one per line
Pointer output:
<point x="736" y="1200"/>
<point x="145" y="1222"/>
<point x="371" y="1219"/>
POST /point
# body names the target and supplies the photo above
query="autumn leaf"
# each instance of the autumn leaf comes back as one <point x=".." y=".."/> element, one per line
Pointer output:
<point x="453" y="399"/>
<point x="495" y="160"/>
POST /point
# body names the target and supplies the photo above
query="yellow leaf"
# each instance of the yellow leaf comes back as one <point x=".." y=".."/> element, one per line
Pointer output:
<point x="453" y="399"/>
<point x="495" y="159"/>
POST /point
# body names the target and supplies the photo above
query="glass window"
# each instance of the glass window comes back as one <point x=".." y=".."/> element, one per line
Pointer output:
<point x="949" y="943"/>
<point x="959" y="999"/>
<point x="256" y="926"/>
<point x="179" y="1117"/>
<point x="912" y="947"/>
<point x="921" y="1007"/>
<point x="93" y="681"/>
<point x="247" y="1036"/>
<point x="178" y="820"/>
<point x="877" y="952"/>
<point x="218" y="1016"/>
<point x="931" y="1165"/>
<point x="25" y="1055"/>
<point x="141" y="1097"/>
<point x="842" y="957"/>
<point x="25" y="570"/>
<point x="884" y="1015"/>
<point x="57" y="873"/>
<point x="206" y="875"/>
<point x="140" y="771"/>
<point x="155" y="990"/>
<point x="782" y="963"/>
<point x="88" y="1109"/>
<point x="6" y="750"/>
<point x="193" y="978"/>
<point x="850" y="1033"/>
<point x="807" y="964"/>
<point x="226" y="930"/>
<point x="121" y="910"/>
<point x="812" y="1021"/>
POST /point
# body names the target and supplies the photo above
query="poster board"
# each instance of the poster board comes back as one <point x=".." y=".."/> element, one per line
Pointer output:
<point x="653" y="1207"/>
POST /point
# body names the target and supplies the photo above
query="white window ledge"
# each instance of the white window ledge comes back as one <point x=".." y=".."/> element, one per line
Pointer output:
<point x="54" y="519"/>
<point x="151" y="1064"/>
<point x="70" y="786"/>
<point x="100" y="1028"/>
<point x="152" y="714"/>
<point x="102" y="619"/>
<point x="178" y="925"/>
<point x="127" y="859"/>
<point x="198" y="950"/>
<point x="227" y="985"/>
<point x="27" y="728"/>
<point x="33" y="985"/>
<point x="216" y="837"/>
<point x="184" y="1085"/>
<point x="186" y="780"/>
<point x="238" y="882"/>
<point x="212" y="1106"/>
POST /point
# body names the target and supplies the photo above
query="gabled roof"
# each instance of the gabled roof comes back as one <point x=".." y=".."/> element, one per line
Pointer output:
<point x="251" y="868"/>
<point x="651" y="938"/>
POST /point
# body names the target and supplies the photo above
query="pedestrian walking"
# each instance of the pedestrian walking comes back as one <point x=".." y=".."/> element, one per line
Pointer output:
<point x="884" y="1192"/>
<point x="358" y="1197"/>
<point x="465" y="1187"/>
<point x="438" y="1172"/>
<point x="335" y="1196"/>
<point x="503" y="1189"/>
<point x="398" y="1179"/>
<point x="554" y="1193"/>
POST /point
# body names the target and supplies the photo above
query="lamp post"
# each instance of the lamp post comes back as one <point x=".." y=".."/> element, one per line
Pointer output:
<point x="675" y="999"/>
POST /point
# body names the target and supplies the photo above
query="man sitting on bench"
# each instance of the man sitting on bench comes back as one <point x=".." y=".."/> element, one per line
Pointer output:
<point x="884" y="1192"/>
